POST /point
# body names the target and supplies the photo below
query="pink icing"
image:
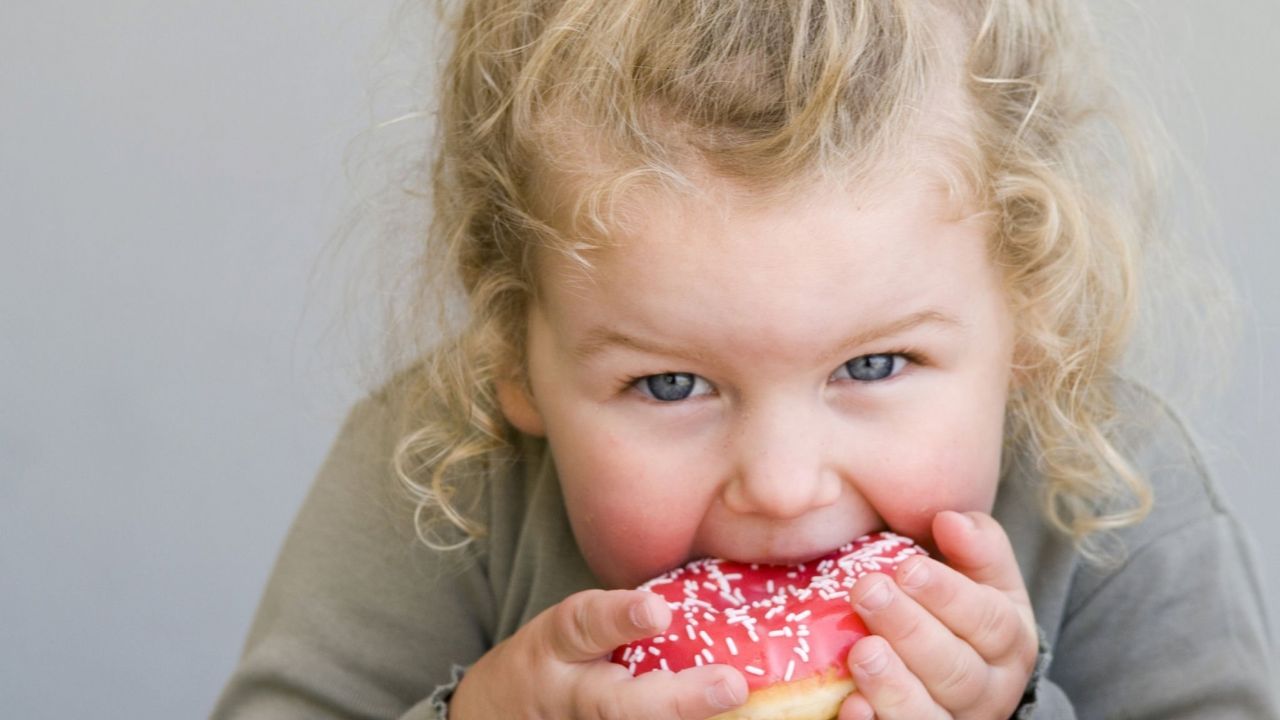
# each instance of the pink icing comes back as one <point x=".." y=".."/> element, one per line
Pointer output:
<point x="774" y="623"/>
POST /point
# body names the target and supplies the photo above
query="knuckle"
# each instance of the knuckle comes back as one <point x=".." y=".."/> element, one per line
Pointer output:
<point x="609" y="706"/>
<point x="666" y="696"/>
<point x="574" y="621"/>
<point x="945" y="591"/>
<point x="589" y="701"/>
<point x="997" y="625"/>
<point x="962" y="681"/>
<point x="894" y="695"/>
<point x="679" y="708"/>
<point x="911" y="629"/>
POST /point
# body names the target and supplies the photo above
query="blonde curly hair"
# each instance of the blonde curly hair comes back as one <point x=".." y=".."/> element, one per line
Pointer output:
<point x="772" y="94"/>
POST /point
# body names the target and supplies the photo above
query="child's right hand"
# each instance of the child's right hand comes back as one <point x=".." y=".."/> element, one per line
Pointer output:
<point x="557" y="667"/>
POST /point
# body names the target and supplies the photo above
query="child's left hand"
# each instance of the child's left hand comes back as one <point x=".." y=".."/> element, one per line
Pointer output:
<point x="949" y="642"/>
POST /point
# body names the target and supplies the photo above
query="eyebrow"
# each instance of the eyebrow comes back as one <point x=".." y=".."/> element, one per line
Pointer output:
<point x="600" y="339"/>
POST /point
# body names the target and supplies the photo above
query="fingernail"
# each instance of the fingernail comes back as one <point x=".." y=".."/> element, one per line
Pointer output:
<point x="642" y="615"/>
<point x="969" y="524"/>
<point x="875" y="664"/>
<point x="723" y="695"/>
<point x="875" y="598"/>
<point x="914" y="575"/>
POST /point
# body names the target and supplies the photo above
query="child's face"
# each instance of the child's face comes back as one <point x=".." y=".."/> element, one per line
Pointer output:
<point x="766" y="383"/>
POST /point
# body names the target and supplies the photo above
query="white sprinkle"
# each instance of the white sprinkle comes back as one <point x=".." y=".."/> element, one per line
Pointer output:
<point x="804" y="654"/>
<point x="659" y="640"/>
<point x="662" y="663"/>
<point x="673" y="638"/>
<point x="753" y="670"/>
<point x="697" y="660"/>
<point x="707" y="654"/>
<point x="733" y="648"/>
<point x="791" y="669"/>
<point x="706" y="638"/>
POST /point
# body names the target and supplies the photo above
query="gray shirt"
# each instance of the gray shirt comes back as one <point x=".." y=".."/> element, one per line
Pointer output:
<point x="360" y="619"/>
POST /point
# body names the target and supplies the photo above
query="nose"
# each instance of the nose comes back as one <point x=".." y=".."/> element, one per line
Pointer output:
<point x="782" y="469"/>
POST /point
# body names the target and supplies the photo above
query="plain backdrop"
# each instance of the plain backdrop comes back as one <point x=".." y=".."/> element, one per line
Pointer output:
<point x="171" y="177"/>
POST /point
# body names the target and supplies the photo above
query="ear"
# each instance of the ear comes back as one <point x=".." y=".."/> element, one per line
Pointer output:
<point x="519" y="408"/>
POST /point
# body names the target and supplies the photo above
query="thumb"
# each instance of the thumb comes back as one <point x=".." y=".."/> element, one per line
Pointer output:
<point x="589" y="624"/>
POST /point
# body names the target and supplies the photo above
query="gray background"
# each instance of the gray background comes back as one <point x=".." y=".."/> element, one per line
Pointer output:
<point x="171" y="175"/>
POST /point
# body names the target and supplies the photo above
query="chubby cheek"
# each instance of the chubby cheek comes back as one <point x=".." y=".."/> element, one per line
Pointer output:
<point x="951" y="471"/>
<point x="634" y="513"/>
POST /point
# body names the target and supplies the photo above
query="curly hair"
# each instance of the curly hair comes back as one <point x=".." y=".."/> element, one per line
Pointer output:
<point x="594" y="98"/>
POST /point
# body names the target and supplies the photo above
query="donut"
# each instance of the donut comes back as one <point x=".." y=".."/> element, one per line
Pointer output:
<point x="788" y="629"/>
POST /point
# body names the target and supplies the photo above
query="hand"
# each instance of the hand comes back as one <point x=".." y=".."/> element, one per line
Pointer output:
<point x="949" y="642"/>
<point x="556" y="667"/>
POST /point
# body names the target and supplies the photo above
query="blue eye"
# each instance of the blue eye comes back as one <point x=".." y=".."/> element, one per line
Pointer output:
<point x="869" y="368"/>
<point x="669" y="387"/>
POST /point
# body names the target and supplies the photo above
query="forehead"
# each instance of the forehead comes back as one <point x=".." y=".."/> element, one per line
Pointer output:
<point x="590" y="197"/>
<point x="704" y="214"/>
<point x="719" y="263"/>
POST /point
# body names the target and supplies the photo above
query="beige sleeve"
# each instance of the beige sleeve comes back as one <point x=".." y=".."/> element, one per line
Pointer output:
<point x="359" y="619"/>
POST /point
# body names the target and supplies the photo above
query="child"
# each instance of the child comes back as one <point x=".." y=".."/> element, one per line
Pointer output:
<point x="750" y="279"/>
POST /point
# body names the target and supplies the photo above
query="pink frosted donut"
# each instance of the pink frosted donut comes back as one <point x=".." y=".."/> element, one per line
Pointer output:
<point x="788" y="629"/>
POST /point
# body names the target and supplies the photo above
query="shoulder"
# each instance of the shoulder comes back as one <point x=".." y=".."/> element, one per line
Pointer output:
<point x="1161" y="446"/>
<point x="1186" y="510"/>
<point x="1158" y="445"/>
<point x="1178" y="590"/>
<point x="1190" y="525"/>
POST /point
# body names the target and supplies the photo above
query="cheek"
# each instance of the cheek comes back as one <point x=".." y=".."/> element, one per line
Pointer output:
<point x="634" y="512"/>
<point x="951" y="463"/>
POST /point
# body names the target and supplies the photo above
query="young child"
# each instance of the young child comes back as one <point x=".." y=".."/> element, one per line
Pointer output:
<point x="751" y="279"/>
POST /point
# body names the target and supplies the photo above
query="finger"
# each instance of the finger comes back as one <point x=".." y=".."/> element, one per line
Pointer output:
<point x="976" y="545"/>
<point x="951" y="670"/>
<point x="856" y="707"/>
<point x="995" y="625"/>
<point x="590" y="624"/>
<point x="693" y="694"/>
<point x="885" y="683"/>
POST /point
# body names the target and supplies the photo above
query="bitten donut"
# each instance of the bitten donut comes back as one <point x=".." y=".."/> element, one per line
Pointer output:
<point x="787" y="628"/>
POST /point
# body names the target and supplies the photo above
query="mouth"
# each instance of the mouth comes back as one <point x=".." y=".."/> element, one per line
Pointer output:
<point x="787" y="559"/>
<point x="789" y="549"/>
